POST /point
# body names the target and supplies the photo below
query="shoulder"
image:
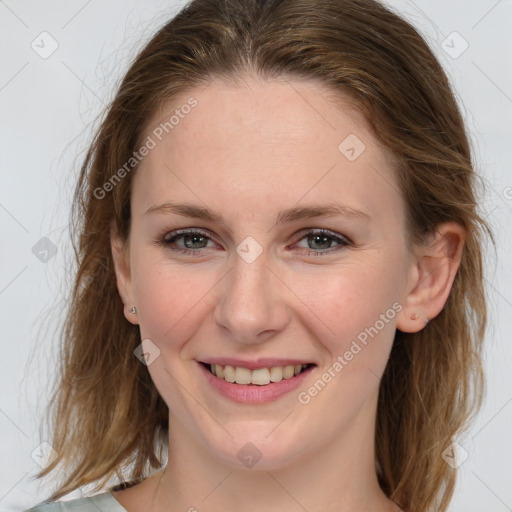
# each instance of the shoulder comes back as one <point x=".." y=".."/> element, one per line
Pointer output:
<point x="104" y="502"/>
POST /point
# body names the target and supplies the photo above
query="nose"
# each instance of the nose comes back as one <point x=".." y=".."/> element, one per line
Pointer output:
<point x="252" y="305"/>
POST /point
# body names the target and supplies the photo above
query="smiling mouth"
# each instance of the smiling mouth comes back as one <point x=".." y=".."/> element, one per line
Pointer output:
<point x="258" y="377"/>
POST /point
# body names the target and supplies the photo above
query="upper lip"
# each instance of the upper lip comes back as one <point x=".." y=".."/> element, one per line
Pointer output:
<point x="253" y="364"/>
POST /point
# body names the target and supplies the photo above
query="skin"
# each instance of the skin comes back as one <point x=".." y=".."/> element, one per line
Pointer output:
<point x="248" y="151"/>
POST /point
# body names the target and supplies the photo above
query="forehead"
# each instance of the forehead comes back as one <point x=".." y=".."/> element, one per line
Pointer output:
<point x="270" y="143"/>
<point x="259" y="108"/>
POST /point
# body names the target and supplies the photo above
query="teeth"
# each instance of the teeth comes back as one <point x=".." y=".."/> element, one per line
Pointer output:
<point x="242" y="376"/>
<point x="276" y="374"/>
<point x="288" y="372"/>
<point x="259" y="377"/>
<point x="229" y="374"/>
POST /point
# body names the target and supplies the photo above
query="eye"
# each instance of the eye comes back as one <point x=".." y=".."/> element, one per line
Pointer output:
<point x="319" y="241"/>
<point x="192" y="241"/>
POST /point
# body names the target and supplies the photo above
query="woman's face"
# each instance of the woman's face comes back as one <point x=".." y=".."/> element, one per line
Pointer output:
<point x="256" y="164"/>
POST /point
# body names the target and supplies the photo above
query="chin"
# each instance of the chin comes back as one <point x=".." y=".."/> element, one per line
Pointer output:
<point x="258" y="448"/>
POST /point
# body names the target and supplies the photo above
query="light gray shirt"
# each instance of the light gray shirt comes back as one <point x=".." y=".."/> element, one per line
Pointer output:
<point x="104" y="502"/>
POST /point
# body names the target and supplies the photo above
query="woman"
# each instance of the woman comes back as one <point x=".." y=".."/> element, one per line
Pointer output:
<point x="279" y="300"/>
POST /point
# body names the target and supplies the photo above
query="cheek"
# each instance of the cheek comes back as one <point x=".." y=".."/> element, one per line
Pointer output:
<point x="348" y="300"/>
<point x="357" y="309"/>
<point x="172" y="299"/>
<point x="166" y="304"/>
<point x="172" y="305"/>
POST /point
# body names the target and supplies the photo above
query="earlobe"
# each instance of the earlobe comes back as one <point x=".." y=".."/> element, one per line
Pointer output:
<point x="120" y="257"/>
<point x="436" y="265"/>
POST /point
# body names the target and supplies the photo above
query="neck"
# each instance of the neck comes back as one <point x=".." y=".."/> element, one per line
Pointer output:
<point x="340" y="477"/>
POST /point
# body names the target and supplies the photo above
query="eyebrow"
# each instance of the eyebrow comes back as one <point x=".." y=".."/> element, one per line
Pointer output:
<point x="284" y="216"/>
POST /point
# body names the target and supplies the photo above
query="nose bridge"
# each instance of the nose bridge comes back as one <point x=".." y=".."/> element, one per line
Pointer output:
<point x="251" y="301"/>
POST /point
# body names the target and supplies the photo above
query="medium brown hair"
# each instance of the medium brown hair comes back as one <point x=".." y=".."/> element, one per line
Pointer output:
<point x="107" y="415"/>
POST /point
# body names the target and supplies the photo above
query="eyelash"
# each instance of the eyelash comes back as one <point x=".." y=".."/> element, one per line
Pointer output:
<point x="170" y="238"/>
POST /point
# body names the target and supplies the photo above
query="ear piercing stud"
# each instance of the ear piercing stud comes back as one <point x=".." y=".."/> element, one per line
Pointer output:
<point x="133" y="310"/>
<point x="415" y="316"/>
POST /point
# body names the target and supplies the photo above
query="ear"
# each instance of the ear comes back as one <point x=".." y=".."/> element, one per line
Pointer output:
<point x="121" y="257"/>
<point x="435" y="266"/>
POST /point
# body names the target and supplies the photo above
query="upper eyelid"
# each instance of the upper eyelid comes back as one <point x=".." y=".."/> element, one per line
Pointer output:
<point x="183" y="232"/>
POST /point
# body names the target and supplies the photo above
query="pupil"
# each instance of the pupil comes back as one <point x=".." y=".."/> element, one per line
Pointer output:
<point x="326" y="241"/>
<point x="194" y="238"/>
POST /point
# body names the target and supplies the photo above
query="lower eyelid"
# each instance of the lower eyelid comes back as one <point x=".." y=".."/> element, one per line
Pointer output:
<point x="318" y="252"/>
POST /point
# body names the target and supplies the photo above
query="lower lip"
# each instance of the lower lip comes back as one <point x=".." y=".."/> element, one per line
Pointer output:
<point x="252" y="393"/>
